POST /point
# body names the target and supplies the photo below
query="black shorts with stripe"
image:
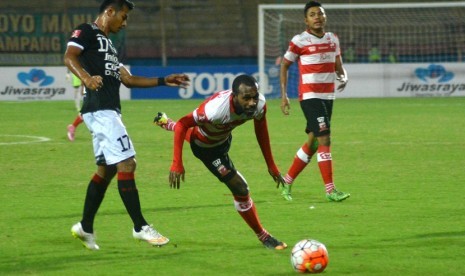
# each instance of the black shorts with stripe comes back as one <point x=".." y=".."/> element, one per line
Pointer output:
<point x="216" y="159"/>
<point x="318" y="113"/>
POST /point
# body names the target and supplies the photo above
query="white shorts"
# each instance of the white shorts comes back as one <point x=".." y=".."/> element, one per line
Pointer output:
<point x="109" y="137"/>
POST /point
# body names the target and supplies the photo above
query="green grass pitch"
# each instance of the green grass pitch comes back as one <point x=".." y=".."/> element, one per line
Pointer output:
<point x="402" y="159"/>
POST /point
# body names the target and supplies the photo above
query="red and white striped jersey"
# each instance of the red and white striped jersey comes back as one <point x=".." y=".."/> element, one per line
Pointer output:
<point x="216" y="118"/>
<point x="317" y="64"/>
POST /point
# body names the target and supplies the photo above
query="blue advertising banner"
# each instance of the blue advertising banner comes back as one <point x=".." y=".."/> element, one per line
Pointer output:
<point x="205" y="80"/>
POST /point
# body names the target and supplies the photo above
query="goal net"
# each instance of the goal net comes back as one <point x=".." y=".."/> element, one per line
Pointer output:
<point x="368" y="33"/>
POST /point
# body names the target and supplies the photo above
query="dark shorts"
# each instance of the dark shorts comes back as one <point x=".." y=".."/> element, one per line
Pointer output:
<point x="318" y="115"/>
<point x="216" y="159"/>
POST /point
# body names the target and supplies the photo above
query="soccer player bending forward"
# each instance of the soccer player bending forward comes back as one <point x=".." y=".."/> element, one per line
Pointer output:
<point x="208" y="129"/>
<point x="319" y="58"/>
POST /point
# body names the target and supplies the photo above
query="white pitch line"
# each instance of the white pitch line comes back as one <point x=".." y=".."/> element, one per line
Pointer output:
<point x="34" y="139"/>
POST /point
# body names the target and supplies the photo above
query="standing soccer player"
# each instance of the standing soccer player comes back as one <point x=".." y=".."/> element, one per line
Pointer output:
<point x="319" y="58"/>
<point x="91" y="56"/>
<point x="208" y="129"/>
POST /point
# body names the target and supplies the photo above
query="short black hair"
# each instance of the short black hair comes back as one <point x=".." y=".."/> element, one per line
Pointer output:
<point x="243" y="79"/>
<point x="118" y="4"/>
<point x="310" y="5"/>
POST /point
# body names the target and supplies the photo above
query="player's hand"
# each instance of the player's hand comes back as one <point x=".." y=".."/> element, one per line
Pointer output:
<point x="176" y="175"/>
<point x="181" y="80"/>
<point x="68" y="77"/>
<point x="277" y="177"/>
<point x="343" y="80"/>
<point x="285" y="105"/>
<point x="93" y="82"/>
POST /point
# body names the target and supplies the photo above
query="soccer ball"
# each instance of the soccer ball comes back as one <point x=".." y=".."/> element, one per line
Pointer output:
<point x="309" y="256"/>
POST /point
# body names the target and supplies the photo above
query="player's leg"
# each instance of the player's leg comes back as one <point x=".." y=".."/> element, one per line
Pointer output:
<point x="94" y="195"/>
<point x="130" y="196"/>
<point x="119" y="150"/>
<point x="72" y="127"/>
<point x="129" y="193"/>
<point x="321" y="129"/>
<point x="84" y="230"/>
<point x="168" y="124"/>
<point x="301" y="160"/>
<point x="303" y="154"/>
<point x="218" y="163"/>
<point x="247" y="210"/>
<point x="77" y="97"/>
<point x="78" y="89"/>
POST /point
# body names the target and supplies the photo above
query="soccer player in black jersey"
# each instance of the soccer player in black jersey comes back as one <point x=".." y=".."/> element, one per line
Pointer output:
<point x="91" y="56"/>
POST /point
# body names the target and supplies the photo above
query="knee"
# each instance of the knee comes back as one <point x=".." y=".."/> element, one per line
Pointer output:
<point x="324" y="140"/>
<point x="110" y="173"/>
<point x="107" y="172"/>
<point x="238" y="186"/>
<point x="128" y="165"/>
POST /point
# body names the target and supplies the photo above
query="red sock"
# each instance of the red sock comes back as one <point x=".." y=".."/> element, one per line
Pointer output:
<point x="301" y="160"/>
<point x="246" y="208"/>
<point x="170" y="125"/>
<point x="325" y="163"/>
<point x="78" y="120"/>
<point x="126" y="176"/>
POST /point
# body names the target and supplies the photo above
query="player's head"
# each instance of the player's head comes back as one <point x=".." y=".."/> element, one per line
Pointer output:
<point x="247" y="80"/>
<point x="310" y="5"/>
<point x="315" y="16"/>
<point x="114" y="14"/>
<point x="116" y="4"/>
<point x="245" y="94"/>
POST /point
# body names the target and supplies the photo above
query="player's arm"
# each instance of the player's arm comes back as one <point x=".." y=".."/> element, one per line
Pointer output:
<point x="341" y="74"/>
<point x="177" y="168"/>
<point x="71" y="60"/>
<point x="285" y="106"/>
<point x="263" y="138"/>
<point x="131" y="81"/>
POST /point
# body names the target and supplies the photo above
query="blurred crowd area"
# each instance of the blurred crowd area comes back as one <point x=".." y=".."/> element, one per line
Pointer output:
<point x="157" y="30"/>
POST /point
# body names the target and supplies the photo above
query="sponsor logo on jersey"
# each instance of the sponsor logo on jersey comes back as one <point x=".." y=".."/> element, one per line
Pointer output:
<point x="322" y="123"/>
<point x="76" y="33"/>
<point x="217" y="162"/>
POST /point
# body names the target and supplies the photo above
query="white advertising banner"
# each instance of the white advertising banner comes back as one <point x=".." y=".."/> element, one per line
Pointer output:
<point x="39" y="83"/>
<point x="404" y="80"/>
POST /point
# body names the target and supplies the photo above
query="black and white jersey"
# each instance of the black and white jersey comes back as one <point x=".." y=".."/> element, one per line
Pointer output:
<point x="98" y="57"/>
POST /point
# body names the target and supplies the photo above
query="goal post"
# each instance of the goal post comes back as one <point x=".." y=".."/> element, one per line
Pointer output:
<point x="395" y="33"/>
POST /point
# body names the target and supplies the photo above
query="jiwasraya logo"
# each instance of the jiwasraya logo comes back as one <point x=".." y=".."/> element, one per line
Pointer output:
<point x="35" y="76"/>
<point x="36" y="81"/>
<point x="434" y="80"/>
<point x="434" y="72"/>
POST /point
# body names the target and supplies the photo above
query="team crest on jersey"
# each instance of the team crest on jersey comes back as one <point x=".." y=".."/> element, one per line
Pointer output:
<point x="223" y="170"/>
<point x="76" y="33"/>
<point x="322" y="123"/>
<point x="220" y="167"/>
